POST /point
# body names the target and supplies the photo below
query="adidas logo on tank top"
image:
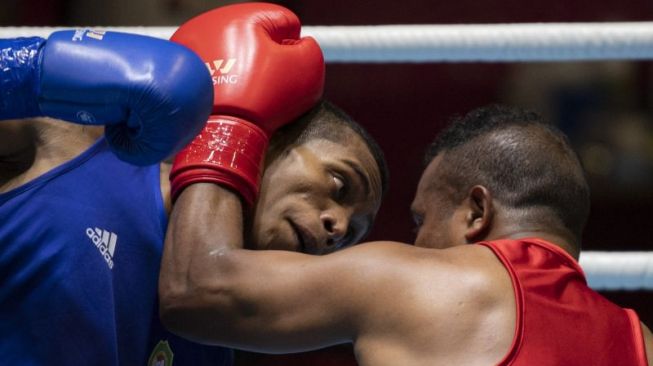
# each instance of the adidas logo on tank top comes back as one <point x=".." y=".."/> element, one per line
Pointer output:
<point x="105" y="241"/>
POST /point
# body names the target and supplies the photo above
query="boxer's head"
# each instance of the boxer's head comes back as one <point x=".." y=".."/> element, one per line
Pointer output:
<point x="496" y="172"/>
<point x="322" y="185"/>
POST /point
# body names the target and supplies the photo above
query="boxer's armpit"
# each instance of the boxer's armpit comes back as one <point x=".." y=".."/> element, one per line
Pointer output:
<point x="18" y="139"/>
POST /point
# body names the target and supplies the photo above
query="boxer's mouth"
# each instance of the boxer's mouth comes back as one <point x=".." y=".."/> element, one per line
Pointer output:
<point x="298" y="237"/>
<point x="305" y="238"/>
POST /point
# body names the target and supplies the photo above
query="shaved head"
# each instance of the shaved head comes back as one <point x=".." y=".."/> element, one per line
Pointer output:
<point x="528" y="165"/>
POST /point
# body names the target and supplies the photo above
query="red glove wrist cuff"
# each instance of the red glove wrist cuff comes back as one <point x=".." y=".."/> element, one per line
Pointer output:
<point x="229" y="151"/>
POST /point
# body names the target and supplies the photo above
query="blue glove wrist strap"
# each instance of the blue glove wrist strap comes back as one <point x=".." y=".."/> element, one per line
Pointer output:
<point x="19" y="77"/>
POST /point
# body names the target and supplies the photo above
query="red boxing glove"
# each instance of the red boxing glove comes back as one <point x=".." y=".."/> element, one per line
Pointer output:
<point x="264" y="76"/>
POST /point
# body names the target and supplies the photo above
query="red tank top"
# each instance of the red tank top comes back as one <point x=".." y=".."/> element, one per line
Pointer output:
<point x="560" y="320"/>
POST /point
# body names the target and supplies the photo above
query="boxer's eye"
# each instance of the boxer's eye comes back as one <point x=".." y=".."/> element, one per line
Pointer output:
<point x="419" y="221"/>
<point x="340" y="186"/>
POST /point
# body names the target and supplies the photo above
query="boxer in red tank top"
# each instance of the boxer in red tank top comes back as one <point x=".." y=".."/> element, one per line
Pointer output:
<point x="492" y="278"/>
<point x="552" y="300"/>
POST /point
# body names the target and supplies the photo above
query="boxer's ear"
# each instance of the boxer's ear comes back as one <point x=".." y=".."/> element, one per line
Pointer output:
<point x="480" y="213"/>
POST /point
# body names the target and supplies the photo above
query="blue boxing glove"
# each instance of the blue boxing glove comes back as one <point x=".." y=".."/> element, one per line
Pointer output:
<point x="153" y="95"/>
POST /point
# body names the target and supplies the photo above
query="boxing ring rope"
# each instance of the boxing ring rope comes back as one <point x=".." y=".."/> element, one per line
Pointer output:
<point x="618" y="270"/>
<point x="481" y="43"/>
<point x="459" y="43"/>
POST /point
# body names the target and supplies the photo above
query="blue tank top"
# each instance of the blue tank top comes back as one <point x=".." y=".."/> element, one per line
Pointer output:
<point x="80" y="249"/>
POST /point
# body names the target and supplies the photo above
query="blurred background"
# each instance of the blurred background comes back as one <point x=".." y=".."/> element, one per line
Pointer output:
<point x="605" y="107"/>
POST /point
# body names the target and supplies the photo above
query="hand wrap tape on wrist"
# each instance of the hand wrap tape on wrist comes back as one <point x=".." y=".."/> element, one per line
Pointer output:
<point x="229" y="151"/>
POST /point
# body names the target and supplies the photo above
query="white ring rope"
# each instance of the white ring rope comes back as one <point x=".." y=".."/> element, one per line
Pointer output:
<point x="500" y="43"/>
<point x="618" y="270"/>
<point x="459" y="43"/>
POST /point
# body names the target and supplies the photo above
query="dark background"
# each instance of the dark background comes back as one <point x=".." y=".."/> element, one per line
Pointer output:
<point x="605" y="107"/>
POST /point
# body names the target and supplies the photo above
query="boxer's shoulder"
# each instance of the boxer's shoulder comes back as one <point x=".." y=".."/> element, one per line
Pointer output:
<point x="31" y="147"/>
<point x="414" y="286"/>
<point x="387" y="268"/>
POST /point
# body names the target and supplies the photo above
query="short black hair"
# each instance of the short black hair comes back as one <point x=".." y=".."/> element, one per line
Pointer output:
<point x="526" y="162"/>
<point x="326" y="121"/>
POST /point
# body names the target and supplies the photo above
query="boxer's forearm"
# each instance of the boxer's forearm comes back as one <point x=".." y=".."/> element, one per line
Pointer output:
<point x="205" y="225"/>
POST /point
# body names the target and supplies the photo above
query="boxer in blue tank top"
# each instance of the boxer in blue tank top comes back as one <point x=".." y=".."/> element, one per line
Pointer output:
<point x="81" y="247"/>
<point x="81" y="230"/>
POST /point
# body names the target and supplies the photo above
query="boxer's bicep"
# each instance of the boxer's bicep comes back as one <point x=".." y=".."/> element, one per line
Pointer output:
<point x="279" y="302"/>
